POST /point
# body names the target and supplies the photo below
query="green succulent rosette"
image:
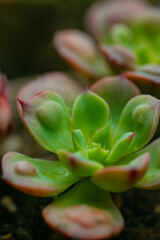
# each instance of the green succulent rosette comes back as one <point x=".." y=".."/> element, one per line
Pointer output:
<point x="101" y="147"/>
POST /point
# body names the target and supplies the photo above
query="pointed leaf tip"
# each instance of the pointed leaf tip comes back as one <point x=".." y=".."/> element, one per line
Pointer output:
<point x="23" y="103"/>
<point x="86" y="87"/>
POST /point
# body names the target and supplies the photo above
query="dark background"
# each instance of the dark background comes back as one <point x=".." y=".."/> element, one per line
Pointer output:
<point x="26" y="32"/>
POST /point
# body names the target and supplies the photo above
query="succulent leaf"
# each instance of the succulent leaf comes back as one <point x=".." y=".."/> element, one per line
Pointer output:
<point x="78" y="140"/>
<point x="120" y="148"/>
<point x="36" y="176"/>
<point x="90" y="112"/>
<point x="119" y="58"/>
<point x="47" y="119"/>
<point x="97" y="154"/>
<point x="103" y="136"/>
<point x="116" y="91"/>
<point x="120" y="178"/>
<point x="78" y="163"/>
<point x="84" y="212"/>
<point x="151" y="179"/>
<point x="79" y="50"/>
<point x="53" y="81"/>
<point x="141" y="116"/>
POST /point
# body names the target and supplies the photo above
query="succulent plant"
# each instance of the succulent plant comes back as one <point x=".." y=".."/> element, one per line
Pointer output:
<point x="128" y="39"/>
<point x="5" y="110"/>
<point x="101" y="149"/>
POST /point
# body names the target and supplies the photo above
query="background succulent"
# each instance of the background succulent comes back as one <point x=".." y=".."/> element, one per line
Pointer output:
<point x="101" y="149"/>
<point x="5" y="110"/>
<point x="123" y="30"/>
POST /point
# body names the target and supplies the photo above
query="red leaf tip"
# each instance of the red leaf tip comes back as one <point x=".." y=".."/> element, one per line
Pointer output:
<point x="132" y="136"/>
<point x="85" y="87"/>
<point x="23" y="103"/>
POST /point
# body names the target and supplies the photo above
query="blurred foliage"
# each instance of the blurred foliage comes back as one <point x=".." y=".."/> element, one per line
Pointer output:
<point x="26" y="31"/>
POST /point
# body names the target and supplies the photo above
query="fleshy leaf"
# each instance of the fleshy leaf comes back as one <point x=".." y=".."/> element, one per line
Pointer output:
<point x="116" y="91"/>
<point x="46" y="117"/>
<point x="147" y="78"/>
<point x="103" y="136"/>
<point x="120" y="148"/>
<point x="151" y="179"/>
<point x="36" y="176"/>
<point x="90" y="112"/>
<point x="119" y="58"/>
<point x="78" y="140"/>
<point x="58" y="82"/>
<point x="122" y="177"/>
<point x="78" y="163"/>
<point x="141" y="116"/>
<point x="79" y="50"/>
<point x="84" y="212"/>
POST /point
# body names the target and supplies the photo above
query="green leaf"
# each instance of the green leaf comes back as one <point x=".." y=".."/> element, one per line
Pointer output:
<point x="78" y="140"/>
<point x="103" y="136"/>
<point x="97" y="154"/>
<point x="84" y="212"/>
<point x="36" y="176"/>
<point x="90" y="112"/>
<point x="47" y="119"/>
<point x="78" y="163"/>
<point x="120" y="148"/>
<point x="141" y="116"/>
<point x="116" y="91"/>
<point x="120" y="178"/>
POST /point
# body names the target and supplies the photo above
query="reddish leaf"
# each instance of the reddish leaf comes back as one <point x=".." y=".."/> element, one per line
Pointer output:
<point x="84" y="212"/>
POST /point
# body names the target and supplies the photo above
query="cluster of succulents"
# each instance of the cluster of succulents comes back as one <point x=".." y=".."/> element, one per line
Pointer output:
<point x="101" y="135"/>
<point x="127" y="42"/>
